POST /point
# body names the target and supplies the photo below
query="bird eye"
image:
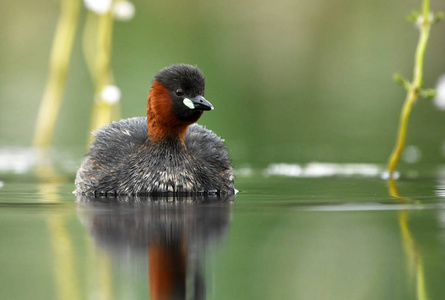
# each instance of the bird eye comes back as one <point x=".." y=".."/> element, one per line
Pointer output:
<point x="179" y="92"/>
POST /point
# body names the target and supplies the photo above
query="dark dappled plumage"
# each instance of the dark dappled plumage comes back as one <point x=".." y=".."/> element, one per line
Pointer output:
<point x="163" y="153"/>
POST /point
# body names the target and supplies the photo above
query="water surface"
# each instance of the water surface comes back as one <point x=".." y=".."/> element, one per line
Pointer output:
<point x="283" y="237"/>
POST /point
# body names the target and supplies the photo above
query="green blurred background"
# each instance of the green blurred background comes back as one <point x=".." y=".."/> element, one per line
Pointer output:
<point x="291" y="80"/>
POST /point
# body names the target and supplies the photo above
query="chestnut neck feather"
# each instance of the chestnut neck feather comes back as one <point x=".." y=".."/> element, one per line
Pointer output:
<point x="162" y="122"/>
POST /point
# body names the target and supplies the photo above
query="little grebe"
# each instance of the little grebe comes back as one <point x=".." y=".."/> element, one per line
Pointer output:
<point x="163" y="153"/>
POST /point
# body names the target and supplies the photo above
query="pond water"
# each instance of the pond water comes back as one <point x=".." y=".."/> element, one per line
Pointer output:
<point x="293" y="232"/>
<point x="291" y="81"/>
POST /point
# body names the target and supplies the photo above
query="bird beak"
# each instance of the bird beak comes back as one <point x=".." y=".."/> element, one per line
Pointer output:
<point x="198" y="103"/>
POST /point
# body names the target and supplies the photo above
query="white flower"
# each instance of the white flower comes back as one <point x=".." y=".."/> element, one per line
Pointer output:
<point x="111" y="94"/>
<point x="439" y="101"/>
<point x="98" y="6"/>
<point x="411" y="154"/>
<point x="420" y="20"/>
<point x="386" y="175"/>
<point x="123" y="10"/>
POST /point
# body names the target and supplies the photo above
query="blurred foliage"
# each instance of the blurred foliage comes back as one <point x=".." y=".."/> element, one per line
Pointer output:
<point x="291" y="81"/>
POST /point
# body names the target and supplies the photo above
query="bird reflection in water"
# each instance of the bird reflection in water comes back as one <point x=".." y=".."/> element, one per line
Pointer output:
<point x="174" y="234"/>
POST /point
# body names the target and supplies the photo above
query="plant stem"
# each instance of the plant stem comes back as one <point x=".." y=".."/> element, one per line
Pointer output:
<point x="414" y="90"/>
<point x="58" y="68"/>
<point x="103" y="112"/>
